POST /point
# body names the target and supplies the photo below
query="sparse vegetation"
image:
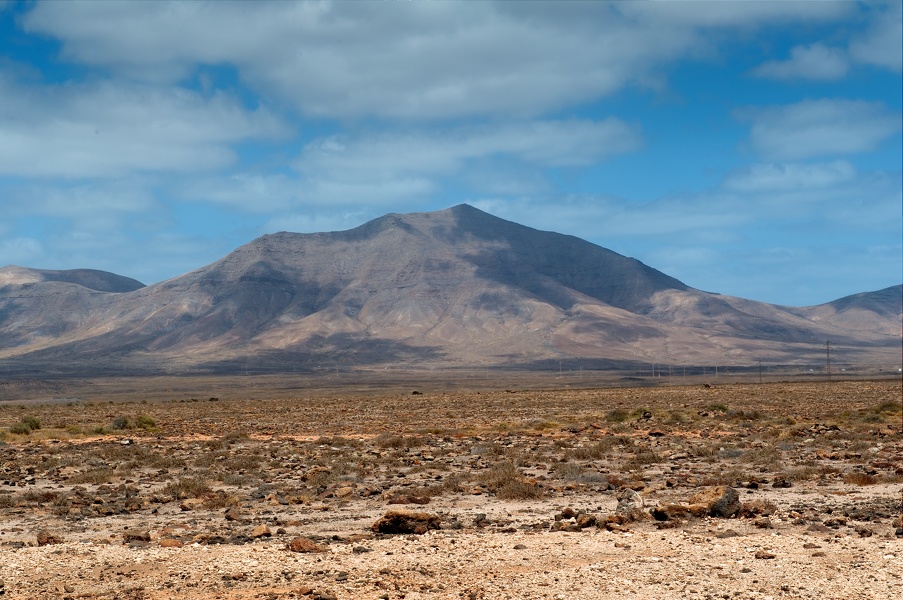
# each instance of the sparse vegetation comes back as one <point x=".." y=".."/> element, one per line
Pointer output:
<point x="188" y="487"/>
<point x="287" y="463"/>
<point x="858" y="478"/>
<point x="140" y="422"/>
<point x="25" y="426"/>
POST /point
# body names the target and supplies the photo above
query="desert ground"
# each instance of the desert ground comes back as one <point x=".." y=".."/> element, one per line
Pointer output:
<point x="205" y="489"/>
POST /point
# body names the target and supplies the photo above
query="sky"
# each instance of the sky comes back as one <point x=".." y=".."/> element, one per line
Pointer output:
<point x="750" y="148"/>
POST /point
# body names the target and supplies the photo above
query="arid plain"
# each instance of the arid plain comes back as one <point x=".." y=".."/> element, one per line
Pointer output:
<point x="259" y="488"/>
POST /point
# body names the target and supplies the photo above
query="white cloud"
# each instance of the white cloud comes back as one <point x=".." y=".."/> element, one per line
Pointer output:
<point x="108" y="130"/>
<point x="254" y="193"/>
<point x="820" y="128"/>
<point x="542" y="143"/>
<point x="734" y="13"/>
<point x="814" y="218"/>
<point x="815" y="61"/>
<point x="610" y="220"/>
<point x="86" y="202"/>
<point x="315" y="222"/>
<point x="778" y="176"/>
<point x="403" y="166"/>
<point x="406" y="60"/>
<point x="882" y="45"/>
<point x="379" y="192"/>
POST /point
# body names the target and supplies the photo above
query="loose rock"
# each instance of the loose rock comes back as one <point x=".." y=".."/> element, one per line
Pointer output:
<point x="406" y="522"/>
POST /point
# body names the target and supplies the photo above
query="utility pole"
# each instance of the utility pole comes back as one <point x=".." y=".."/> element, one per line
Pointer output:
<point x="828" y="358"/>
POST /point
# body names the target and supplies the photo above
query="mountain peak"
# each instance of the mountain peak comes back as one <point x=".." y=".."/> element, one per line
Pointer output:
<point x="449" y="288"/>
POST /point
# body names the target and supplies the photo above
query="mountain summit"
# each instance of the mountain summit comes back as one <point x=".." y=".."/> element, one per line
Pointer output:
<point x="457" y="287"/>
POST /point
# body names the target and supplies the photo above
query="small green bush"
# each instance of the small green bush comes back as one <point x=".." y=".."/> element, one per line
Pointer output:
<point x="141" y="422"/>
<point x="617" y="416"/>
<point x="145" y="422"/>
<point x="20" y="429"/>
<point x="25" y="426"/>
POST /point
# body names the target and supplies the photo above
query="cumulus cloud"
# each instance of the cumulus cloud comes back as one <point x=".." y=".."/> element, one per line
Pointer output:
<point x="820" y="128"/>
<point x="734" y="13"/>
<point x="252" y="192"/>
<point x="778" y="176"/>
<point x="398" y="166"/>
<point x="881" y="45"/>
<point x="404" y="60"/>
<point x="110" y="129"/>
<point x="817" y="217"/>
<point x="543" y="143"/>
<point x="815" y="61"/>
<point x="85" y="202"/>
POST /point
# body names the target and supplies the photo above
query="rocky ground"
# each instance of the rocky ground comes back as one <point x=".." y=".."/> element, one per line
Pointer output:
<point x="781" y="490"/>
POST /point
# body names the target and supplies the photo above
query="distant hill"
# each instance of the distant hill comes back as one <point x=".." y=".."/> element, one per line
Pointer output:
<point x="452" y="288"/>
<point x="99" y="281"/>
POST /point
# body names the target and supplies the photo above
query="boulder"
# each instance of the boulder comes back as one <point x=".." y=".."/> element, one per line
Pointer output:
<point x="719" y="501"/>
<point x="136" y="535"/>
<point x="303" y="544"/>
<point x="45" y="538"/>
<point x="406" y="522"/>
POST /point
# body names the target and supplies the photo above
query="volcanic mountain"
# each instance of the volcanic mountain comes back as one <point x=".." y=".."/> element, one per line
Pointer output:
<point x="452" y="288"/>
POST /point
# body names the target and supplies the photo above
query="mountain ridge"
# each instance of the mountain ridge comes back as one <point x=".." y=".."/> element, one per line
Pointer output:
<point x="445" y="289"/>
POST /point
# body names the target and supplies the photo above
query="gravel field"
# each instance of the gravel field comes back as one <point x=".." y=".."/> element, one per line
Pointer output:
<point x="780" y="490"/>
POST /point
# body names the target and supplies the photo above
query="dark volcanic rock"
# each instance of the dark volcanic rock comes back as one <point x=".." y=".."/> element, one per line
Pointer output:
<point x="406" y="522"/>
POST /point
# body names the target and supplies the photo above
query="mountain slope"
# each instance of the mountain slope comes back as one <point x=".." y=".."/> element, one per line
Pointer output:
<point x="448" y="288"/>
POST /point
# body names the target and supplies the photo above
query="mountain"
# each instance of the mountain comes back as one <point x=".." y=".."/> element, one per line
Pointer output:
<point x="452" y="288"/>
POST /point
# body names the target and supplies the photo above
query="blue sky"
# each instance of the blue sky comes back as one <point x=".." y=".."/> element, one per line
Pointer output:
<point x="750" y="148"/>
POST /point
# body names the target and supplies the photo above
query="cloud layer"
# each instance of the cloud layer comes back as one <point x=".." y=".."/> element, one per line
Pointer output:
<point x="684" y="133"/>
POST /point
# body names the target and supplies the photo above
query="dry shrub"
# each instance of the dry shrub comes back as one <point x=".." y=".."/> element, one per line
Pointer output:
<point x="617" y="416"/>
<point x="726" y="477"/>
<point x="233" y="437"/>
<point x="892" y="407"/>
<point x="453" y="484"/>
<point x="506" y="482"/>
<point x="859" y="479"/>
<point x="188" y="487"/>
<point x="96" y="476"/>
<point x="388" y="440"/>
<point x="676" y="417"/>
<point x="519" y="490"/>
<point x="39" y="496"/>
<point x="642" y="459"/>
<point x="767" y="456"/>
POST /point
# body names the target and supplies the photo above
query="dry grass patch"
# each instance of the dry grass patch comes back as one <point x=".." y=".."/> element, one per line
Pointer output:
<point x="508" y="483"/>
<point x="858" y="478"/>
